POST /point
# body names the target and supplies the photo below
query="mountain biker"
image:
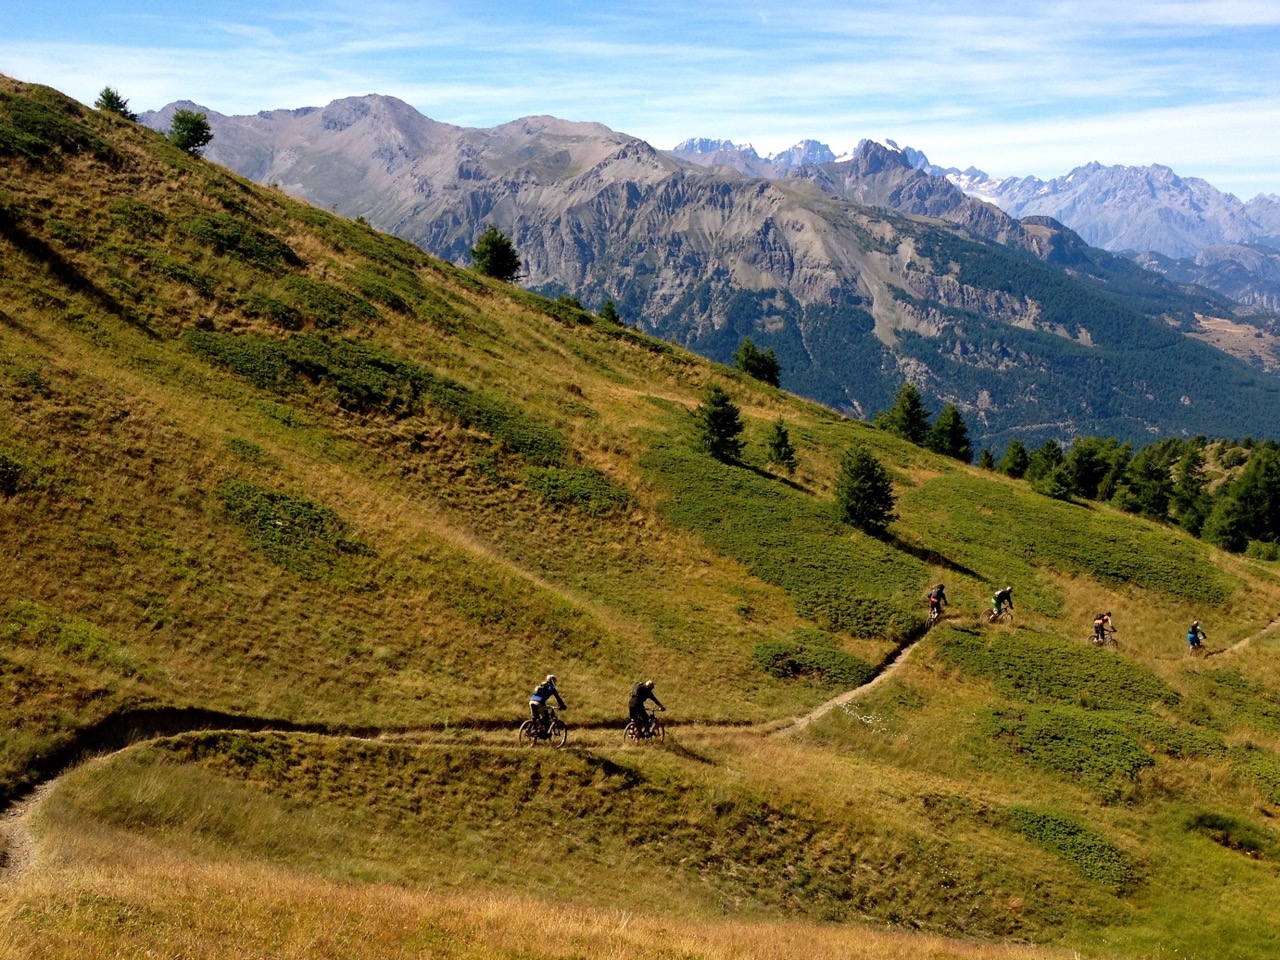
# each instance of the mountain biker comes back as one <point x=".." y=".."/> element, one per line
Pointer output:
<point x="1195" y="636"/>
<point x="1101" y="623"/>
<point x="937" y="600"/>
<point x="640" y="693"/>
<point x="538" y="700"/>
<point x="1002" y="599"/>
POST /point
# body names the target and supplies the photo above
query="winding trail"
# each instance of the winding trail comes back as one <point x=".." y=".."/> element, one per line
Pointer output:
<point x="19" y="852"/>
<point x="1247" y="640"/>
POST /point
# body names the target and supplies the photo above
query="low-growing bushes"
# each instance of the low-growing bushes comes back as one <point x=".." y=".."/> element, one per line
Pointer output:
<point x="366" y="378"/>
<point x="812" y="655"/>
<point x="294" y="532"/>
<point x="1088" y="851"/>
<point x="228" y="235"/>
<point x="1234" y="834"/>
<point x="1037" y="668"/>
<point x="1087" y="746"/>
<point x="583" y="488"/>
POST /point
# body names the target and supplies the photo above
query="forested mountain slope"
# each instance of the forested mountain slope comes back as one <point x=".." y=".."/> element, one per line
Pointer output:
<point x="858" y="274"/>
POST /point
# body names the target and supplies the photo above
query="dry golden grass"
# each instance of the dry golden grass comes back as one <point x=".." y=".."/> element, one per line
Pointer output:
<point x="109" y="895"/>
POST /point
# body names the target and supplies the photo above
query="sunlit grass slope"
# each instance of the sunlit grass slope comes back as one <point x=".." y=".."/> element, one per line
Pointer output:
<point x="264" y="461"/>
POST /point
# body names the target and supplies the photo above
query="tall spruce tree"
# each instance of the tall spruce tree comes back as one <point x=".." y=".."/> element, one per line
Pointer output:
<point x="864" y="492"/>
<point x="719" y="424"/>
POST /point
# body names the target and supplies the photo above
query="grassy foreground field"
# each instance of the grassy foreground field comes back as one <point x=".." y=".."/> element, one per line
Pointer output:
<point x="264" y="468"/>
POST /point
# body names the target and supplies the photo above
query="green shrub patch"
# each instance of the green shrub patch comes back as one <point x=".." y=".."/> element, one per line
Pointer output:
<point x="294" y="532"/>
<point x="366" y="379"/>
<point x="225" y="234"/>
<point x="812" y="655"/>
<point x="582" y="488"/>
<point x="1088" y="851"/>
<point x="1043" y="669"/>
<point x="1234" y="834"/>
<point x="1087" y="746"/>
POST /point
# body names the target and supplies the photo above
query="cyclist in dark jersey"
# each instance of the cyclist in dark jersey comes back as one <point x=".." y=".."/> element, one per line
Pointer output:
<point x="641" y="693"/>
<point x="1002" y="599"/>
<point x="937" y="600"/>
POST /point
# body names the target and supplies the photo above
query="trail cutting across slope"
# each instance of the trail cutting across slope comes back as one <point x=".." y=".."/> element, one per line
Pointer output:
<point x="19" y="852"/>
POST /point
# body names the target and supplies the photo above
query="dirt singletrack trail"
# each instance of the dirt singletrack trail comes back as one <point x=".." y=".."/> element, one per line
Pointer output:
<point x="19" y="851"/>
<point x="886" y="670"/>
<point x="1247" y="640"/>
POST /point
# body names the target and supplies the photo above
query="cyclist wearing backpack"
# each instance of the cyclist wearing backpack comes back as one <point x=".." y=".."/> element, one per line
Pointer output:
<point x="1195" y="637"/>
<point x="1001" y="600"/>
<point x="641" y="693"/>
<point x="538" y="700"/>
<point x="937" y="600"/>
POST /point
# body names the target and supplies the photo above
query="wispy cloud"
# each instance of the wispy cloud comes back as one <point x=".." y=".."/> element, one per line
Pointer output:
<point x="1022" y="87"/>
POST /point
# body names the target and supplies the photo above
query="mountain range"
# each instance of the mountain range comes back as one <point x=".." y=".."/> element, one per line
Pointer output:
<point x="858" y="273"/>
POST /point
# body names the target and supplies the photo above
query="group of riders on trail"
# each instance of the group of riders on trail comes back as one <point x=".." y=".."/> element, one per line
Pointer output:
<point x="1103" y="630"/>
<point x="642" y="724"/>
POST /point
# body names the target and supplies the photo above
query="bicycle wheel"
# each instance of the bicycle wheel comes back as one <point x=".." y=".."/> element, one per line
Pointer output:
<point x="528" y="734"/>
<point x="631" y="734"/>
<point x="658" y="731"/>
<point x="557" y="733"/>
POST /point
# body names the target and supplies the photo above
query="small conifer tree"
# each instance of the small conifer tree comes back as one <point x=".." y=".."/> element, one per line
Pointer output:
<point x="985" y="460"/>
<point x="781" y="450"/>
<point x="950" y="436"/>
<point x="907" y="418"/>
<point x="495" y="256"/>
<point x="719" y="424"/>
<point x="1015" y="460"/>
<point x="864" y="492"/>
<point x="110" y="101"/>
<point x="609" y="313"/>
<point x="757" y="363"/>
<point x="190" y="131"/>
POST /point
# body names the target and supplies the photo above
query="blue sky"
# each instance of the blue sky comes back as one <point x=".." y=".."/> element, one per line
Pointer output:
<point x="1012" y="88"/>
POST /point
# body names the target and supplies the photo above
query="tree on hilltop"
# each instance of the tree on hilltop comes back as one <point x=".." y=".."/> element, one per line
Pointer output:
<point x="609" y="313"/>
<point x="495" y="256"/>
<point x="1015" y="461"/>
<point x="757" y="363"/>
<point x="190" y="131"/>
<point x="907" y="418"/>
<point x="949" y="435"/>
<point x="110" y="101"/>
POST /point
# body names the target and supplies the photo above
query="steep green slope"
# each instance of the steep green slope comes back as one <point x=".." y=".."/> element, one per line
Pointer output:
<point x="263" y="466"/>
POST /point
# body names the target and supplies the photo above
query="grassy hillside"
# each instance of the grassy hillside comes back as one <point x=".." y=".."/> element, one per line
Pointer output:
<point x="265" y="468"/>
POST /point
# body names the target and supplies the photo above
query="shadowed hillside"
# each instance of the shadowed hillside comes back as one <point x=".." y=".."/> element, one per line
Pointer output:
<point x="308" y="512"/>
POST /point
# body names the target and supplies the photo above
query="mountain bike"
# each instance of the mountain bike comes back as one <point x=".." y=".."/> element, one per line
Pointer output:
<point x="1004" y="615"/>
<point x="654" y="730"/>
<point x="1107" y="640"/>
<point x="935" y="614"/>
<point x="551" y="729"/>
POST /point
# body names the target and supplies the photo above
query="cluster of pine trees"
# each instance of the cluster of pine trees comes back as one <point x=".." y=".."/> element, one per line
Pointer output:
<point x="1224" y="491"/>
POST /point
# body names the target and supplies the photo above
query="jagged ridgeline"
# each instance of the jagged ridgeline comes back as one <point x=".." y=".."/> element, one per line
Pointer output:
<point x="273" y="483"/>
